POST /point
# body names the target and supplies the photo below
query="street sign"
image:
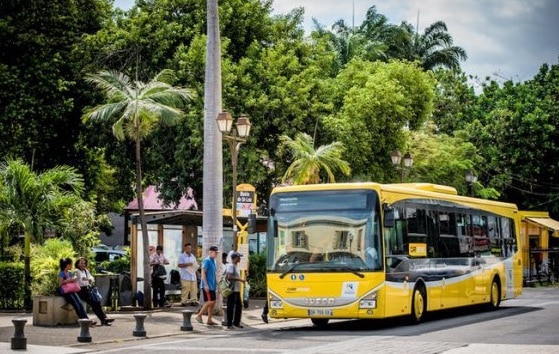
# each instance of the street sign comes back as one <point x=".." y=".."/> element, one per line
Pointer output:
<point x="246" y="200"/>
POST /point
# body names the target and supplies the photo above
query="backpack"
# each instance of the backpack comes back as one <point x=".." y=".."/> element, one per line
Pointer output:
<point x="225" y="286"/>
<point x="175" y="277"/>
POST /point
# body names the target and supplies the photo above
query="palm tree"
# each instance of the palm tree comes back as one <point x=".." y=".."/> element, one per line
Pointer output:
<point x="308" y="162"/>
<point x="434" y="48"/>
<point x="135" y="108"/>
<point x="31" y="203"/>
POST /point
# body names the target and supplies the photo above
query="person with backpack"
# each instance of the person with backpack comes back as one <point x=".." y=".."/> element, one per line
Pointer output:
<point x="234" y="304"/>
<point x="158" y="276"/>
<point x="188" y="266"/>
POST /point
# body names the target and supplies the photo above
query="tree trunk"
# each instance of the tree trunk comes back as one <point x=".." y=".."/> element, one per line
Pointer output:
<point x="212" y="221"/>
<point x="145" y="237"/>
<point x="27" y="302"/>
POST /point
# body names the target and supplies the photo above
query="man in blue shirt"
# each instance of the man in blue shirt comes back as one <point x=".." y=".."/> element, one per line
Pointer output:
<point x="208" y="285"/>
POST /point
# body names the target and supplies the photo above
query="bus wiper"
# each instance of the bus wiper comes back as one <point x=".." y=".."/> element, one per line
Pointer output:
<point x="290" y="269"/>
<point x="351" y="270"/>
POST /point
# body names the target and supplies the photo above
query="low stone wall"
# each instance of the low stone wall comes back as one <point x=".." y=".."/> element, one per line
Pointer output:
<point x="53" y="311"/>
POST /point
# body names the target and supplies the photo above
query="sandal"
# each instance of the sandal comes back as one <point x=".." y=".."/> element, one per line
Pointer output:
<point x="199" y="320"/>
<point x="212" y="324"/>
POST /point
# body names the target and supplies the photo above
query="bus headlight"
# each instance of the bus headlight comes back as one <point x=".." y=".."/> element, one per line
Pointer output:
<point x="368" y="301"/>
<point x="275" y="302"/>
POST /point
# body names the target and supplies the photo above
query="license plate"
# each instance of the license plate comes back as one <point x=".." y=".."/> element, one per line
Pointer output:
<point x="320" y="312"/>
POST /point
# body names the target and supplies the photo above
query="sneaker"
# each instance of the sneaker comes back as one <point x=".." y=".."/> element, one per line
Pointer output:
<point x="264" y="318"/>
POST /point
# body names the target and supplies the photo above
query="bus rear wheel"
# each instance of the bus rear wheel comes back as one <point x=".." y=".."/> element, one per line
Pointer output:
<point x="319" y="322"/>
<point x="418" y="304"/>
<point x="494" y="295"/>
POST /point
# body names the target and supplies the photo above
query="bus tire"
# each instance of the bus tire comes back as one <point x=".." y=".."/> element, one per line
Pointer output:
<point x="494" y="294"/>
<point x="319" y="322"/>
<point x="418" y="304"/>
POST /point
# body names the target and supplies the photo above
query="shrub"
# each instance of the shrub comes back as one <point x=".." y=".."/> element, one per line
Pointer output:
<point x="257" y="275"/>
<point x="45" y="265"/>
<point x="12" y="290"/>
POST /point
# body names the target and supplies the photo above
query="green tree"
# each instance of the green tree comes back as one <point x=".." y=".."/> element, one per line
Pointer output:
<point x="41" y="91"/>
<point x="31" y="203"/>
<point x="134" y="109"/>
<point x="433" y="48"/>
<point x="376" y="103"/>
<point x="515" y="130"/>
<point x="455" y="101"/>
<point x="443" y="159"/>
<point x="308" y="162"/>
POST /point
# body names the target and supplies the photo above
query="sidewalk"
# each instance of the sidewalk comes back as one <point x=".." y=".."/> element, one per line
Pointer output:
<point x="158" y="323"/>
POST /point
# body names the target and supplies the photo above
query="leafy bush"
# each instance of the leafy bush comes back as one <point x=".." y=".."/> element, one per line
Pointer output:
<point x="45" y="265"/>
<point x="13" y="288"/>
<point x="257" y="275"/>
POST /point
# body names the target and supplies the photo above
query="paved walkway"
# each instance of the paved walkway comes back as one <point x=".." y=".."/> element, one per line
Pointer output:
<point x="158" y="323"/>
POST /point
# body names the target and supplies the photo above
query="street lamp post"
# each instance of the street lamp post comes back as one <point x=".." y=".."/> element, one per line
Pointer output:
<point x="234" y="138"/>
<point x="470" y="180"/>
<point x="401" y="163"/>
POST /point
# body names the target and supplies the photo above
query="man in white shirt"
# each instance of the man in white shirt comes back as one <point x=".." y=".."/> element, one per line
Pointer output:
<point x="188" y="266"/>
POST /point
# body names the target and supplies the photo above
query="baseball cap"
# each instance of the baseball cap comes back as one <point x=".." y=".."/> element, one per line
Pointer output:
<point x="213" y="248"/>
<point x="236" y="254"/>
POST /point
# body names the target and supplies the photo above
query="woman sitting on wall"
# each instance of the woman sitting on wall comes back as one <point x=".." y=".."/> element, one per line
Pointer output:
<point x="66" y="277"/>
<point x="85" y="280"/>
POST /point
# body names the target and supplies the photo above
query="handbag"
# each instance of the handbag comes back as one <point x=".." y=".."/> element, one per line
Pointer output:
<point x="70" y="288"/>
<point x="95" y="294"/>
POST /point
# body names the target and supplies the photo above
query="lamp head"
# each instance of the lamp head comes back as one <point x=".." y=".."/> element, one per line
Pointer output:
<point x="395" y="156"/>
<point x="224" y="122"/>
<point x="408" y="160"/>
<point x="243" y="126"/>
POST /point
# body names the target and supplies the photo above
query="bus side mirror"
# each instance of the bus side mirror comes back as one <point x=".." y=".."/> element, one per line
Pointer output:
<point x="251" y="228"/>
<point x="388" y="216"/>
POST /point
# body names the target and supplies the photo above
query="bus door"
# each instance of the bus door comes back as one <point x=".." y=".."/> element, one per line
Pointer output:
<point x="397" y="286"/>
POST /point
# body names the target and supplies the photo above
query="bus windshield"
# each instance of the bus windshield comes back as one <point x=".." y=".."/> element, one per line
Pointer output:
<point x="325" y="231"/>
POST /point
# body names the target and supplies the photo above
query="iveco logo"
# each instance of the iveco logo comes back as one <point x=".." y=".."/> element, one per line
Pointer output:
<point x="318" y="301"/>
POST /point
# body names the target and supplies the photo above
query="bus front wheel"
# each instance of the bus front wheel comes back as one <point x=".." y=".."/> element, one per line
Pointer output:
<point x="419" y="304"/>
<point x="494" y="295"/>
<point x="319" y="322"/>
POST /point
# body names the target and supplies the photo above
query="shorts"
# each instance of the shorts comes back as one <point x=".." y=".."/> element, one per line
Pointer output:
<point x="209" y="295"/>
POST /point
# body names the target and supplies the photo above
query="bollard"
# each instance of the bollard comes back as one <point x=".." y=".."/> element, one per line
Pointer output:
<point x="139" y="331"/>
<point x="186" y="324"/>
<point x="84" y="336"/>
<point x="18" y="340"/>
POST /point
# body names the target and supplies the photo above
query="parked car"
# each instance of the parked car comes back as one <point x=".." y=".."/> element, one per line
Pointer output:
<point x="104" y="253"/>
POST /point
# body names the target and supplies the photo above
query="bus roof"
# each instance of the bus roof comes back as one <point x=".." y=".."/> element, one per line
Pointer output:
<point x="421" y="190"/>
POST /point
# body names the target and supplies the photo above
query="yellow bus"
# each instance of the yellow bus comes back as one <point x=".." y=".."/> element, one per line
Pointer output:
<point x="373" y="251"/>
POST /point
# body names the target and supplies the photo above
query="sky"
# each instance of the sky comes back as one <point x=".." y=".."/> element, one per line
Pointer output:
<point x="504" y="39"/>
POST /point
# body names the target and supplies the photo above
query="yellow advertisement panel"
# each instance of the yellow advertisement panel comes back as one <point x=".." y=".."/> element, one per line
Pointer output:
<point x="418" y="250"/>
